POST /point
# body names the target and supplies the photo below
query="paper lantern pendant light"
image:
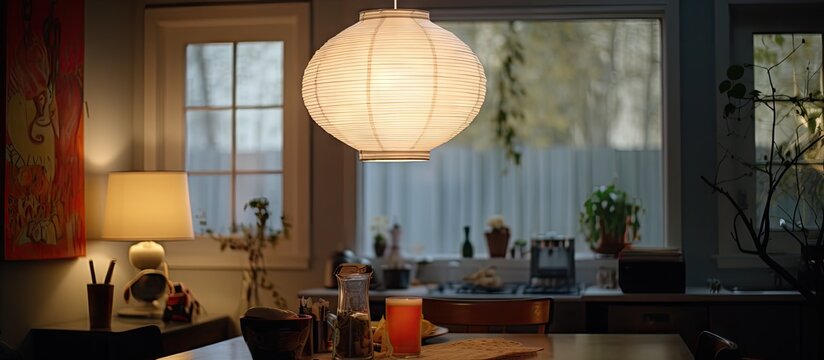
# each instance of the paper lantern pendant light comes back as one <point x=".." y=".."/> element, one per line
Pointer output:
<point x="394" y="85"/>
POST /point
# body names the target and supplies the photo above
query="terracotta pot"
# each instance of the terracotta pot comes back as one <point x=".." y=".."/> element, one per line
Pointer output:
<point x="497" y="242"/>
<point x="610" y="244"/>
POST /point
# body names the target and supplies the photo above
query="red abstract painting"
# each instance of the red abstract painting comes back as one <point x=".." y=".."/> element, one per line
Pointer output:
<point x="43" y="185"/>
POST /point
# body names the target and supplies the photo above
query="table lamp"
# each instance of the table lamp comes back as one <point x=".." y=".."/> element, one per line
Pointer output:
<point x="145" y="207"/>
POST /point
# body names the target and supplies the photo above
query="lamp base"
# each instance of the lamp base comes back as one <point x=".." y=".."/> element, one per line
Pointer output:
<point x="146" y="255"/>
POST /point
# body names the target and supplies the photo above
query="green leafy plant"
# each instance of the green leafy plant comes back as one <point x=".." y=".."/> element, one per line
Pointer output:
<point x="508" y="111"/>
<point x="379" y="234"/>
<point x="379" y="227"/>
<point x="254" y="240"/>
<point x="609" y="213"/>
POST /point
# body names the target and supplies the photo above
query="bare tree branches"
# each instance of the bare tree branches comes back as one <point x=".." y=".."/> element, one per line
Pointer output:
<point x="784" y="157"/>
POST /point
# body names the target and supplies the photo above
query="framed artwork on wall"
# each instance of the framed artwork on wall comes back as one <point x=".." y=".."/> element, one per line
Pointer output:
<point x="43" y="210"/>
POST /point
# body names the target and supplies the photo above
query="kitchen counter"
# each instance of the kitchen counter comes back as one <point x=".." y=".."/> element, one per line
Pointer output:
<point x="413" y="291"/>
<point x="692" y="294"/>
<point x="590" y="294"/>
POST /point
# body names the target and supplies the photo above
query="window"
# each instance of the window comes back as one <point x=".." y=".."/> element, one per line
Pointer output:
<point x="592" y="115"/>
<point x="222" y="101"/>
<point x="800" y="75"/>
<point x="755" y="34"/>
<point x="234" y="129"/>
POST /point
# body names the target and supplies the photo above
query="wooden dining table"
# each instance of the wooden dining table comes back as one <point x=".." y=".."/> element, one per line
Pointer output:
<point x="554" y="346"/>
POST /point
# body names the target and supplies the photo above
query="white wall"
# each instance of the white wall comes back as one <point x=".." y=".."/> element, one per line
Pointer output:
<point x="34" y="293"/>
<point x="43" y="292"/>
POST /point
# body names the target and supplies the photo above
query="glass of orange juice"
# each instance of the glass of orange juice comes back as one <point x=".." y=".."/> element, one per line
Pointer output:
<point x="403" y="323"/>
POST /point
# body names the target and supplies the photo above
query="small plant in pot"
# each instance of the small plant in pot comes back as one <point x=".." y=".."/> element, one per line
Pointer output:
<point x="379" y="225"/>
<point x="609" y="220"/>
<point x="497" y="238"/>
<point x="396" y="274"/>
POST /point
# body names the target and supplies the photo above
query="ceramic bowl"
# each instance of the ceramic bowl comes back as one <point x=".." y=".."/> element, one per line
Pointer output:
<point x="276" y="339"/>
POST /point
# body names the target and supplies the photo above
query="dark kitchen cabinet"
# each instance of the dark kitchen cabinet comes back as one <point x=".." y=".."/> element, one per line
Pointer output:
<point x="762" y="330"/>
<point x="765" y="331"/>
<point x="128" y="338"/>
<point x="568" y="317"/>
<point x="687" y="320"/>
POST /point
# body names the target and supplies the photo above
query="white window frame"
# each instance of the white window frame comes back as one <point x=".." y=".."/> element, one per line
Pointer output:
<point x="167" y="31"/>
<point x="666" y="11"/>
<point x="729" y="52"/>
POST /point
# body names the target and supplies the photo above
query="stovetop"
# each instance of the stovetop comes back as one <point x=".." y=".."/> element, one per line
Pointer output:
<point x="514" y="288"/>
<point x="507" y="288"/>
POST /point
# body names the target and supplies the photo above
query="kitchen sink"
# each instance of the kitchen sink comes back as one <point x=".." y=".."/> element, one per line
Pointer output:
<point x="757" y="289"/>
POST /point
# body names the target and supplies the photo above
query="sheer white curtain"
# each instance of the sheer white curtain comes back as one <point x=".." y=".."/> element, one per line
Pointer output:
<point x="460" y="186"/>
<point x="590" y="110"/>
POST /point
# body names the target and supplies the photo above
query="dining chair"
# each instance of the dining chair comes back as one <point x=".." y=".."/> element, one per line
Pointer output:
<point x="490" y="316"/>
<point x="141" y="343"/>
<point x="144" y="342"/>
<point x="714" y="347"/>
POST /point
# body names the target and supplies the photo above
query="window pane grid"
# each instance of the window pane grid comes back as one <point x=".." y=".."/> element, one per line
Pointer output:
<point x="798" y="196"/>
<point x="262" y="105"/>
<point x="234" y="132"/>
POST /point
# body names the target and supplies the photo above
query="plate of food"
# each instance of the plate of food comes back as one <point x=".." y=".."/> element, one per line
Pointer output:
<point x="435" y="333"/>
<point x="428" y="330"/>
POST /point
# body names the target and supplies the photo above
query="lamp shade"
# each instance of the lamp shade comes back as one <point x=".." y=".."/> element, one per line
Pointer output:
<point x="148" y="206"/>
<point x="394" y="85"/>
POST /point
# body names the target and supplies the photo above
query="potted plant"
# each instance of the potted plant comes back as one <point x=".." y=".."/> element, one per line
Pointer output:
<point x="396" y="273"/>
<point x="254" y="240"/>
<point x="497" y="238"/>
<point x="379" y="225"/>
<point x="518" y="250"/>
<point x="609" y="219"/>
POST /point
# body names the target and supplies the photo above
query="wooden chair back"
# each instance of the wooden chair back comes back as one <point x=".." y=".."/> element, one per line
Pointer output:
<point x="714" y="347"/>
<point x="490" y="316"/>
<point x="144" y="342"/>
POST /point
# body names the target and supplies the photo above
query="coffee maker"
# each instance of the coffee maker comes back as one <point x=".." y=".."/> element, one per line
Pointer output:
<point x="552" y="267"/>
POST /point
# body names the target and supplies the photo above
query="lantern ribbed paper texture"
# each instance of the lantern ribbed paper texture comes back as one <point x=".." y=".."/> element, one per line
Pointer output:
<point x="394" y="85"/>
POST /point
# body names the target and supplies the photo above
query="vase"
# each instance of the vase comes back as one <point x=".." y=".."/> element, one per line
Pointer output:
<point x="497" y="242"/>
<point x="467" y="250"/>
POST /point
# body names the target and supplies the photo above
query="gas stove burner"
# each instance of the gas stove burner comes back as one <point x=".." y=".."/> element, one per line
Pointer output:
<point x="507" y="288"/>
<point x="548" y="290"/>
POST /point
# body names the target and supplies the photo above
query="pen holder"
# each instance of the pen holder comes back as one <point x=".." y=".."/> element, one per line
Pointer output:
<point x="100" y="305"/>
<point x="321" y="336"/>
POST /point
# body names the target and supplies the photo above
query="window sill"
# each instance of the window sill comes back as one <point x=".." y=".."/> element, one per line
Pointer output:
<point x="583" y="261"/>
<point x="273" y="263"/>
<point x="204" y="253"/>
